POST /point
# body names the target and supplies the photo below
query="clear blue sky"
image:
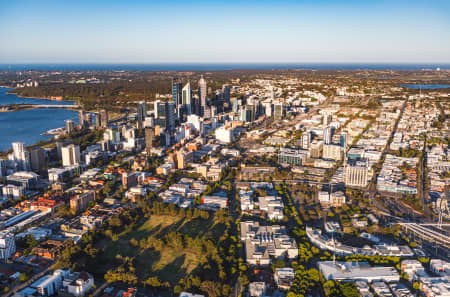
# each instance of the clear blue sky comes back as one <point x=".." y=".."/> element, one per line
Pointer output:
<point x="132" y="31"/>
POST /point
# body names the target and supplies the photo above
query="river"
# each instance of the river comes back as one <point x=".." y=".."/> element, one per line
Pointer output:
<point x="27" y="125"/>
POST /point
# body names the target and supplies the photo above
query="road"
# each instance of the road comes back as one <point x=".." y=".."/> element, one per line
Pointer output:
<point x="28" y="282"/>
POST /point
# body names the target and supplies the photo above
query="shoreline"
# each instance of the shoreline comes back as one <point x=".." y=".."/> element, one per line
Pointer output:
<point x="33" y="97"/>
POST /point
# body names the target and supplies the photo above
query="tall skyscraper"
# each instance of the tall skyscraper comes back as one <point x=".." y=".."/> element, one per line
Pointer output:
<point x="278" y="112"/>
<point x="149" y="136"/>
<point x="69" y="126"/>
<point x="226" y="89"/>
<point x="81" y="119"/>
<point x="327" y="135"/>
<point x="202" y="91"/>
<point x="70" y="155"/>
<point x="104" y="118"/>
<point x="176" y="91"/>
<point x="343" y="140"/>
<point x="21" y="156"/>
<point x="165" y="115"/>
<point x="141" y="113"/>
<point x="187" y="98"/>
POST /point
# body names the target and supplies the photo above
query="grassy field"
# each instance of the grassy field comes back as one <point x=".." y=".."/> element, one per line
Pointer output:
<point x="167" y="264"/>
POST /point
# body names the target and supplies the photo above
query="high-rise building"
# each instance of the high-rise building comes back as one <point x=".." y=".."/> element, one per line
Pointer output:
<point x="278" y="113"/>
<point x="202" y="92"/>
<point x="343" y="140"/>
<point x="149" y="136"/>
<point x="103" y="118"/>
<point x="70" y="155"/>
<point x="141" y="114"/>
<point x="69" y="126"/>
<point x="37" y="157"/>
<point x="7" y="245"/>
<point x="187" y="98"/>
<point x="21" y="156"/>
<point x="165" y="115"/>
<point x="81" y="119"/>
<point x="356" y="173"/>
<point x="327" y="135"/>
<point x="235" y="105"/>
<point x="176" y="91"/>
<point x="226" y="89"/>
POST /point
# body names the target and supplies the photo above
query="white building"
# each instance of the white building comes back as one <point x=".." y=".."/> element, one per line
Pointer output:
<point x="78" y="283"/>
<point x="70" y="155"/>
<point x="7" y="245"/>
<point x="355" y="271"/>
<point x="224" y="134"/>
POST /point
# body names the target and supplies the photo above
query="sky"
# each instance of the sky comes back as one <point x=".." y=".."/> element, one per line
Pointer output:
<point x="133" y="31"/>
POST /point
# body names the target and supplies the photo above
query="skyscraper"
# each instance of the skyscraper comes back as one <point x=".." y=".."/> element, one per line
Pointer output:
<point x="327" y="135"/>
<point x="278" y="113"/>
<point x="104" y="118"/>
<point x="149" y="135"/>
<point x="343" y="140"/>
<point x="21" y="156"/>
<point x="226" y="89"/>
<point x="81" y="119"/>
<point x="187" y="98"/>
<point x="176" y="91"/>
<point x="202" y="91"/>
<point x="141" y="113"/>
<point x="165" y="115"/>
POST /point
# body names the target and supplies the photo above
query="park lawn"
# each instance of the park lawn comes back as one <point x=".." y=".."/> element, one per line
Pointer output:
<point x="167" y="264"/>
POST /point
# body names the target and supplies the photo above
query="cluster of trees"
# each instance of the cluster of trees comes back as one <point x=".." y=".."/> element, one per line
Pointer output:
<point x="304" y="281"/>
<point x="340" y="289"/>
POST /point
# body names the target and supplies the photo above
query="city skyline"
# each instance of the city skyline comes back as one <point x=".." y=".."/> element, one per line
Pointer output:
<point x="203" y="32"/>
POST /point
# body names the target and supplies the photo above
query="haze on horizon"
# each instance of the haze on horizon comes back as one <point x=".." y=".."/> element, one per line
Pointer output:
<point x="135" y="31"/>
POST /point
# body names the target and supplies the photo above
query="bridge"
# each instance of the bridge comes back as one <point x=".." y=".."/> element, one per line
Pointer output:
<point x="51" y="106"/>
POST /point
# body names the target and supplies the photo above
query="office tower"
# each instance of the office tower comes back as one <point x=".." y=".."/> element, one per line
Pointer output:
<point x="187" y="98"/>
<point x="7" y="245"/>
<point x="70" y="155"/>
<point x="235" y="105"/>
<point x="69" y="126"/>
<point x="202" y="89"/>
<point x="21" y="156"/>
<point x="176" y="91"/>
<point x="60" y="144"/>
<point x="165" y="115"/>
<point x="37" y="157"/>
<point x="327" y="135"/>
<point x="226" y="89"/>
<point x="356" y="173"/>
<point x="343" y="140"/>
<point x="278" y="111"/>
<point x="103" y="118"/>
<point x="141" y="113"/>
<point x="81" y="119"/>
<point x="149" y="136"/>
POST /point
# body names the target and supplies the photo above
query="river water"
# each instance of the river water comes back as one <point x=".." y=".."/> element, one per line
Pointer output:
<point x="27" y="125"/>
